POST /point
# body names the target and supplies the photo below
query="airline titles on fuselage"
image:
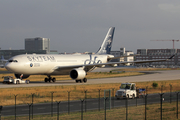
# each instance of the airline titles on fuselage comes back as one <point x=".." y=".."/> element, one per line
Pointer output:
<point x="41" y="58"/>
<point x="92" y="60"/>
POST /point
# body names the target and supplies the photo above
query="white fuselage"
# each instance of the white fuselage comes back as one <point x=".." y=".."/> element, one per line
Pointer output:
<point x="47" y="64"/>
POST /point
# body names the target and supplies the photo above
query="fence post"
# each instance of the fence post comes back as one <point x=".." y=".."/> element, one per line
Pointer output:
<point x="52" y="104"/>
<point x="82" y="109"/>
<point x="170" y="92"/>
<point x="0" y="111"/>
<point x="162" y="88"/>
<point x="161" y="104"/>
<point x="105" y="109"/>
<point x="32" y="103"/>
<point x="177" y="104"/>
<point x="99" y="98"/>
<point x="85" y="99"/>
<point x="15" y="106"/>
<point x="137" y="95"/>
<point x="126" y="108"/>
<point x="29" y="105"/>
<point x="145" y="106"/>
<point x="69" y="102"/>
<point x="113" y="97"/>
<point x="58" y="109"/>
<point x="146" y="89"/>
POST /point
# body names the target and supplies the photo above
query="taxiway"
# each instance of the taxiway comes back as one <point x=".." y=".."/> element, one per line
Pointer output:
<point x="150" y="76"/>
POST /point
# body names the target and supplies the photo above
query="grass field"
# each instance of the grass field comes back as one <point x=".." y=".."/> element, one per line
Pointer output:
<point x="43" y="94"/>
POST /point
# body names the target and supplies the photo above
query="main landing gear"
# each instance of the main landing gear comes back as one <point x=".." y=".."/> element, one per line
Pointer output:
<point x="81" y="80"/>
<point x="49" y="79"/>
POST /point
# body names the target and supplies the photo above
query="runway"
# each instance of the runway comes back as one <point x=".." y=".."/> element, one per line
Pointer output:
<point x="152" y="76"/>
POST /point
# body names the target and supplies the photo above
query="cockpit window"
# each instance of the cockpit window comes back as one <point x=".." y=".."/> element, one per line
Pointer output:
<point x="125" y="86"/>
<point x="12" y="61"/>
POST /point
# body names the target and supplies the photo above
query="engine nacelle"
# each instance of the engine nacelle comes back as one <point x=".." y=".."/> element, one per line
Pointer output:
<point x="23" y="77"/>
<point x="77" y="74"/>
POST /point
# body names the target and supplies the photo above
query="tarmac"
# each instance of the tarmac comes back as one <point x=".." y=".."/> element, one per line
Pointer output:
<point x="149" y="76"/>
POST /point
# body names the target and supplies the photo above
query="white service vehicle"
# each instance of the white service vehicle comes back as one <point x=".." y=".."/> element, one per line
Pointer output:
<point x="9" y="79"/>
<point x="127" y="90"/>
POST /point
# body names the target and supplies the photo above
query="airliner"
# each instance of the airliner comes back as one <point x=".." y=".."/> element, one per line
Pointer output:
<point x="77" y="66"/>
<point x="3" y="61"/>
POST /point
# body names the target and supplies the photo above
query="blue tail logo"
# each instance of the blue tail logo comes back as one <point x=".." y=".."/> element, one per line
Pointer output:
<point x="107" y="43"/>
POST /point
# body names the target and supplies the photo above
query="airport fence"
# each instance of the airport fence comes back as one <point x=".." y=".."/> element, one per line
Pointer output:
<point x="162" y="105"/>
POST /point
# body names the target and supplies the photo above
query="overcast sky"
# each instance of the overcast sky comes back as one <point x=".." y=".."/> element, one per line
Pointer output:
<point x="81" y="25"/>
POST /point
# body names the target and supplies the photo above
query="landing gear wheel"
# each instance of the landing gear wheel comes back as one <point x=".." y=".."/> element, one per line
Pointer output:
<point x="50" y="79"/>
<point x="133" y="96"/>
<point x="77" y="81"/>
<point x="127" y="96"/>
<point x="46" y="79"/>
<point x="54" y="79"/>
<point x="84" y="80"/>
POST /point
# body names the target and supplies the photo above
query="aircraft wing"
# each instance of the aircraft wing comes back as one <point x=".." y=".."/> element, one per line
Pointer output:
<point x="89" y="66"/>
<point x="109" y="59"/>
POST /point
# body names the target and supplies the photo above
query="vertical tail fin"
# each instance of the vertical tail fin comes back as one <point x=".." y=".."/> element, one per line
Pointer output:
<point x="107" y="43"/>
<point x="2" y="58"/>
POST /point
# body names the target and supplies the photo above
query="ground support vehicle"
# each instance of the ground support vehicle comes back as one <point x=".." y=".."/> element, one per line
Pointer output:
<point x="9" y="79"/>
<point x="128" y="90"/>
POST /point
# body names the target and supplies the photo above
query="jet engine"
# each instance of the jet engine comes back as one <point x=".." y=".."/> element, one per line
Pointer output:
<point x="23" y="76"/>
<point x="77" y="74"/>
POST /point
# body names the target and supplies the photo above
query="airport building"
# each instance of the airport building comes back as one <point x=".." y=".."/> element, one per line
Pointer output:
<point x="38" y="43"/>
<point x="32" y="46"/>
<point x="122" y="52"/>
<point x="10" y="53"/>
<point x="150" y="54"/>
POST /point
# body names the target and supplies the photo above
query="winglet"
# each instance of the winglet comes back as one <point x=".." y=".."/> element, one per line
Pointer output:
<point x="172" y="56"/>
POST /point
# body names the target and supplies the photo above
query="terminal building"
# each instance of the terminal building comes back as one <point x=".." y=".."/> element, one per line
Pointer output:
<point x="10" y="53"/>
<point x="150" y="54"/>
<point x="37" y="43"/>
<point x="123" y="52"/>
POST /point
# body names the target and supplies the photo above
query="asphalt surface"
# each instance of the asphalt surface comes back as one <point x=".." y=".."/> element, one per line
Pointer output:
<point x="150" y="76"/>
<point x="88" y="104"/>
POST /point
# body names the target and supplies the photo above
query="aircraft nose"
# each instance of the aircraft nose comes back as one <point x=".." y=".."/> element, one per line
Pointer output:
<point x="9" y="67"/>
